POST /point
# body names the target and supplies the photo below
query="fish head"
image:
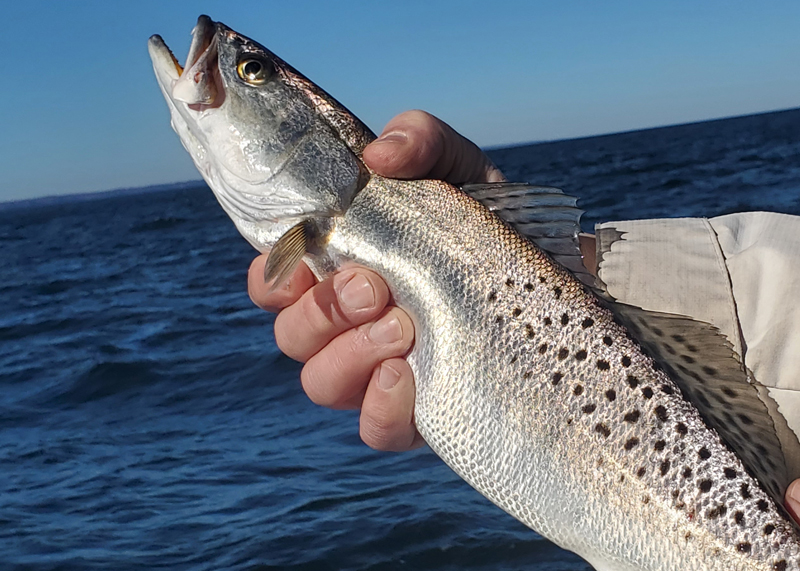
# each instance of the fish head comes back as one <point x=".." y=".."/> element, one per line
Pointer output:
<point x="273" y="146"/>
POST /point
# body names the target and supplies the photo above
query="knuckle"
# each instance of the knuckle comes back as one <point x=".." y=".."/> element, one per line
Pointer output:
<point x="382" y="432"/>
<point x="286" y="340"/>
<point x="314" y="387"/>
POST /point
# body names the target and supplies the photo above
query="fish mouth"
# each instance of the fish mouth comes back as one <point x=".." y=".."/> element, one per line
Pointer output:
<point x="198" y="83"/>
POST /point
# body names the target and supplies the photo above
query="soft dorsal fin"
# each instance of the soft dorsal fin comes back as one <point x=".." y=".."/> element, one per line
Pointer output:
<point x="713" y="377"/>
<point x="543" y="214"/>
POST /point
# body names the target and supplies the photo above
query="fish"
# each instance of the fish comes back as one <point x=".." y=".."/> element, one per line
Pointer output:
<point x="596" y="424"/>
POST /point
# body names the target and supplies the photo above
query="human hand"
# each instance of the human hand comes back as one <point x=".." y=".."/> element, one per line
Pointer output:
<point x="345" y="328"/>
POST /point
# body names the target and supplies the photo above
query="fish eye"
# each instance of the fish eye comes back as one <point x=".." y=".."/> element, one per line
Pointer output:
<point x="253" y="71"/>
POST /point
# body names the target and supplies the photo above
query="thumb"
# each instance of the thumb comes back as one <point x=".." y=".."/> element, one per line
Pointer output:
<point x="416" y="145"/>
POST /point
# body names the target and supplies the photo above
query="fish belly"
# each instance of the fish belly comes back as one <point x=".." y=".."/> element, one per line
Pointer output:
<point x="530" y="390"/>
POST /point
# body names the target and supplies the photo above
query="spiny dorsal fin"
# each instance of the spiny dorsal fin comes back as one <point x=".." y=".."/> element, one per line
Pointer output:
<point x="543" y="214"/>
<point x="287" y="253"/>
<point x="711" y="375"/>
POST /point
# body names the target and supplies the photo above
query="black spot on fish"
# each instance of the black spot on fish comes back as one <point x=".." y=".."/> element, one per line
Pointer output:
<point x="747" y="420"/>
<point x="626" y="361"/>
<point x="542" y="349"/>
<point x="510" y="282"/>
<point x="557" y="292"/>
<point x="692" y="348"/>
<point x="670" y="350"/>
<point x="528" y="286"/>
<point x="611" y="395"/>
<point x="730" y="473"/>
<point x="678" y="338"/>
<point x="547" y="321"/>
<point x="659" y="445"/>
<point x="661" y="413"/>
<point x="667" y="390"/>
<point x="631" y="443"/>
<point x="705" y="486"/>
<point x="542" y="279"/>
<point x="687" y="473"/>
<point x="738" y="517"/>
<point x="717" y="511"/>
<point x="762" y="505"/>
<point x="564" y="319"/>
<point x="682" y="429"/>
<point x="578" y="390"/>
<point x="664" y="467"/>
<point x="647" y="392"/>
<point x="529" y="332"/>
<point x="603" y="365"/>
<point x="704" y="453"/>
<point x="779" y="565"/>
<point x="607" y="340"/>
<point x="710" y="371"/>
<point x="498" y="319"/>
<point x="657" y="331"/>
<point x="588" y="409"/>
<point x="517" y="312"/>
<point x="744" y="547"/>
<point x="633" y="382"/>
<point x="587" y="323"/>
<point x="768" y="529"/>
<point x="602" y="429"/>
<point x="632" y="416"/>
<point x="557" y="378"/>
<point x="641" y="472"/>
<point x="580" y="355"/>
<point x="730" y="392"/>
<point x="687" y="359"/>
<point x="492" y="296"/>
<point x="563" y="353"/>
<point x="744" y="490"/>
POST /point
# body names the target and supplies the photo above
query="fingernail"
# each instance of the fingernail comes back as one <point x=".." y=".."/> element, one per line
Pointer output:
<point x="387" y="377"/>
<point x="357" y="293"/>
<point x="386" y="330"/>
<point x="793" y="499"/>
<point x="397" y="137"/>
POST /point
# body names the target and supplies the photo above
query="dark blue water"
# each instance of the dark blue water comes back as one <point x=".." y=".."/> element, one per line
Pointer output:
<point x="147" y="420"/>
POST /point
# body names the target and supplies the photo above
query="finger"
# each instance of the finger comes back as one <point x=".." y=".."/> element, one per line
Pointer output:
<point x="387" y="413"/>
<point x="348" y="299"/>
<point x="792" y="500"/>
<point x="283" y="296"/>
<point x="415" y="144"/>
<point x="342" y="369"/>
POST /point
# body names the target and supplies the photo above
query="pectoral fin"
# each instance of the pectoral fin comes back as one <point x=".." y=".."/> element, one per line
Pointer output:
<point x="287" y="253"/>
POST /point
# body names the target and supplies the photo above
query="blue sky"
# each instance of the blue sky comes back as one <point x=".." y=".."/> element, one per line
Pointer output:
<point x="81" y="111"/>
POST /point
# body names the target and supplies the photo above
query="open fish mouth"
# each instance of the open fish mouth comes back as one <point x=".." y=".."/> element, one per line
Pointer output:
<point x="198" y="83"/>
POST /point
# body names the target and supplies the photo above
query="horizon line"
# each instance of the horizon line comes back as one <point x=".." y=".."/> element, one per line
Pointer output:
<point x="159" y="187"/>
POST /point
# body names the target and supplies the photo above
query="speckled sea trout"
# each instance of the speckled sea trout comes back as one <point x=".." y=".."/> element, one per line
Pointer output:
<point x="630" y="439"/>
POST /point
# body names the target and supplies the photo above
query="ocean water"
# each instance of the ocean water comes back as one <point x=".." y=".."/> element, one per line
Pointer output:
<point x="147" y="420"/>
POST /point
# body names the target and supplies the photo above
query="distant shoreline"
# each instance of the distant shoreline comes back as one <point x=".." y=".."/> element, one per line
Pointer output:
<point x="129" y="191"/>
<point x="99" y="194"/>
